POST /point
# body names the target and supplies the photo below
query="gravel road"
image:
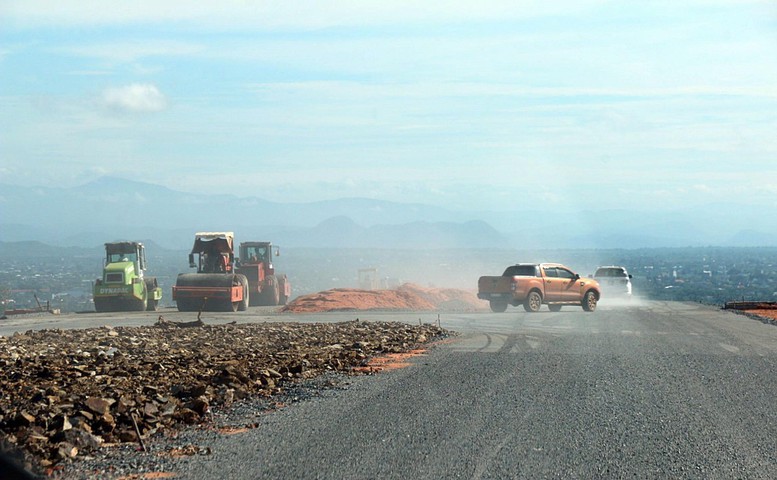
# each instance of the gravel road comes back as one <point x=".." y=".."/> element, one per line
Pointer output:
<point x="646" y="390"/>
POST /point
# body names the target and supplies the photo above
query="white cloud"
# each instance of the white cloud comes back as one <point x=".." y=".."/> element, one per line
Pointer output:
<point x="135" y="98"/>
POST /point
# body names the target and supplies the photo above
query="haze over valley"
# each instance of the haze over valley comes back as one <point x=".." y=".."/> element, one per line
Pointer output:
<point x="111" y="208"/>
<point x="433" y="143"/>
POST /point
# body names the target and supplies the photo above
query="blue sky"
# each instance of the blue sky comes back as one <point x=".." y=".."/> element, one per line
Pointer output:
<point x="644" y="105"/>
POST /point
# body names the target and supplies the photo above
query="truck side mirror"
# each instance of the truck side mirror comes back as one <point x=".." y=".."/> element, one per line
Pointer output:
<point x="191" y="261"/>
<point x="277" y="252"/>
<point x="577" y="276"/>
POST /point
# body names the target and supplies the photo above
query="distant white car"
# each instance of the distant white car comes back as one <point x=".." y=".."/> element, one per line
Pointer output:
<point x="614" y="281"/>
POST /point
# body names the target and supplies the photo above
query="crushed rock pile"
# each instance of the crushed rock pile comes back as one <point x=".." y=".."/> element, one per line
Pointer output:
<point x="67" y="392"/>
<point x="407" y="297"/>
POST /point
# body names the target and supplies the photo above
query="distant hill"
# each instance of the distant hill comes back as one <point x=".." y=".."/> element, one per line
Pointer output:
<point x="114" y="201"/>
<point x="36" y="249"/>
<point x="111" y="208"/>
<point x="752" y="238"/>
<point x="344" y="232"/>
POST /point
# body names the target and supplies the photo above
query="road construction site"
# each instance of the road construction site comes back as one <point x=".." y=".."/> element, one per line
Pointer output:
<point x="663" y="389"/>
<point x="74" y="383"/>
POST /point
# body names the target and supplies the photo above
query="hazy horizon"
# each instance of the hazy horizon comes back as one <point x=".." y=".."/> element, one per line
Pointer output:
<point x="645" y="106"/>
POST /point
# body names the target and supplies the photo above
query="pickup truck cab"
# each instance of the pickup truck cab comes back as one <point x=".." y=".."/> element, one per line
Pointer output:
<point x="534" y="284"/>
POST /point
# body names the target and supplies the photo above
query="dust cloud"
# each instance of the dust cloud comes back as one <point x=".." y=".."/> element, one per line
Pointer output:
<point x="622" y="301"/>
<point x="314" y="270"/>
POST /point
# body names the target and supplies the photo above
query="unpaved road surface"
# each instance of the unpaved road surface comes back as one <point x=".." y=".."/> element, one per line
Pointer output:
<point x="643" y="390"/>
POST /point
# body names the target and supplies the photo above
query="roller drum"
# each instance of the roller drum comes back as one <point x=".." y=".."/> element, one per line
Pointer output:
<point x="205" y="280"/>
<point x="192" y="289"/>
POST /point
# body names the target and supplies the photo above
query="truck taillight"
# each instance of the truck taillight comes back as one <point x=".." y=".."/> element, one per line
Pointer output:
<point x="513" y="285"/>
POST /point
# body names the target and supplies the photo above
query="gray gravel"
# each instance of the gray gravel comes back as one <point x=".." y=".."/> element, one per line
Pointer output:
<point x="161" y="457"/>
<point x="650" y="390"/>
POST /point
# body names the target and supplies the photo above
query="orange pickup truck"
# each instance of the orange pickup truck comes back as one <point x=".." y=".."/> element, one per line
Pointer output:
<point x="532" y="284"/>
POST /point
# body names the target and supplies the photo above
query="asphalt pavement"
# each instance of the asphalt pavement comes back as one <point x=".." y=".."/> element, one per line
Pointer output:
<point x="642" y="390"/>
<point x="633" y="390"/>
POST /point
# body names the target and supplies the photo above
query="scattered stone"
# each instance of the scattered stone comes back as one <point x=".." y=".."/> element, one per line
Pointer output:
<point x="67" y="393"/>
<point x="99" y="406"/>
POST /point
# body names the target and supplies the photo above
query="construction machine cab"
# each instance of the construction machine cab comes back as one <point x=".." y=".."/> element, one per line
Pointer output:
<point x="134" y="252"/>
<point x="214" y="251"/>
<point x="257" y="252"/>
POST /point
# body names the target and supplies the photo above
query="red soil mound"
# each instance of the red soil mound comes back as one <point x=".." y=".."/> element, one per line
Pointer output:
<point x="406" y="297"/>
<point x="447" y="298"/>
<point x="766" y="312"/>
<point x="761" y="309"/>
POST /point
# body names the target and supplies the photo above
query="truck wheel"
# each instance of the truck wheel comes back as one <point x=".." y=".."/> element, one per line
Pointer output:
<point x="554" y="308"/>
<point x="272" y="294"/>
<point x="140" y="305"/>
<point x="151" y="302"/>
<point x="533" y="302"/>
<point x="498" y="306"/>
<point x="244" y="303"/>
<point x="589" y="301"/>
<point x="256" y="299"/>
<point x="282" y="298"/>
<point x="152" y="305"/>
<point x="231" y="306"/>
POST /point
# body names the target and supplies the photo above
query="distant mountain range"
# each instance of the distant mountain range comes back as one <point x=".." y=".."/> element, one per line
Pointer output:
<point x="112" y="208"/>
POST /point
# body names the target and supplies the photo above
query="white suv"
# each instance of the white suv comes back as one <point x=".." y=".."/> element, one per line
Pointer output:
<point x="614" y="280"/>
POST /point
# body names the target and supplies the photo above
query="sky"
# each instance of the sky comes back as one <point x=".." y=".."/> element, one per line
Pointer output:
<point x="477" y="105"/>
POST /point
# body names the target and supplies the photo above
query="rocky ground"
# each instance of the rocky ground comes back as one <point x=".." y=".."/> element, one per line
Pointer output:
<point x="73" y="394"/>
<point x="67" y="394"/>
